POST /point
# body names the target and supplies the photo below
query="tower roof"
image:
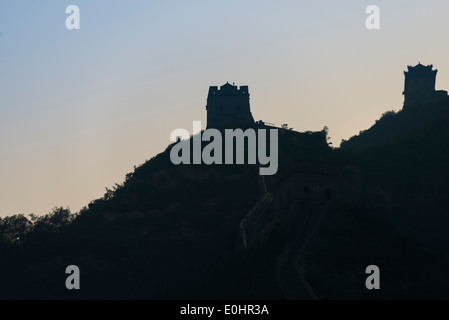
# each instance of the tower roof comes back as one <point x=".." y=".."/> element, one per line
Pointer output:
<point x="420" y="68"/>
<point x="228" y="87"/>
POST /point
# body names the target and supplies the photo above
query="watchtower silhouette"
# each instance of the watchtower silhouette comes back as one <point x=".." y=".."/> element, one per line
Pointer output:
<point x="419" y="85"/>
<point x="228" y="107"/>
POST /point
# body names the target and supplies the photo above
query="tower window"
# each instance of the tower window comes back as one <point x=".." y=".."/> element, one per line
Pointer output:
<point x="238" y="108"/>
<point x="328" y="193"/>
<point x="221" y="108"/>
<point x="306" y="189"/>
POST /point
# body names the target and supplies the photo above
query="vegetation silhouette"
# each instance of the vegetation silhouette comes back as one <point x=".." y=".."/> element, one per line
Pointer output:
<point x="171" y="232"/>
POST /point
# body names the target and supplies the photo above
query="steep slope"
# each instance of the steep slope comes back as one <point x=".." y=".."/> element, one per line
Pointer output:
<point x="172" y="232"/>
<point x="400" y="223"/>
<point x="163" y="233"/>
<point x="405" y="156"/>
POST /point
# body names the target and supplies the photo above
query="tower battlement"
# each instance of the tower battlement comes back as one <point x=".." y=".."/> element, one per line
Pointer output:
<point x="228" y="89"/>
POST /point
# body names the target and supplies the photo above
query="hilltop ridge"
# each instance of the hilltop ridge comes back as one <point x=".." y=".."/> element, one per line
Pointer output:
<point x="224" y="232"/>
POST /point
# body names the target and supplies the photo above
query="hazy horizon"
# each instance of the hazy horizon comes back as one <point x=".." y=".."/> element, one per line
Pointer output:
<point x="80" y="108"/>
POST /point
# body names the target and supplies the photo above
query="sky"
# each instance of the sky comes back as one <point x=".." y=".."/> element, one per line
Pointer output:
<point x="80" y="108"/>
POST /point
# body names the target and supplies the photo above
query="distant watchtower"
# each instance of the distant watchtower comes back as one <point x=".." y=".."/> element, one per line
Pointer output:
<point x="228" y="107"/>
<point x="419" y="84"/>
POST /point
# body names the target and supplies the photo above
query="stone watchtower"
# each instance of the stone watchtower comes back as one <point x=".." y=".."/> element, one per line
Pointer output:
<point x="228" y="107"/>
<point x="419" y="85"/>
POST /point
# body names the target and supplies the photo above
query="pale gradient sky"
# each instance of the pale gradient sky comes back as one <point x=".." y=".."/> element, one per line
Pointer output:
<point x="78" y="109"/>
